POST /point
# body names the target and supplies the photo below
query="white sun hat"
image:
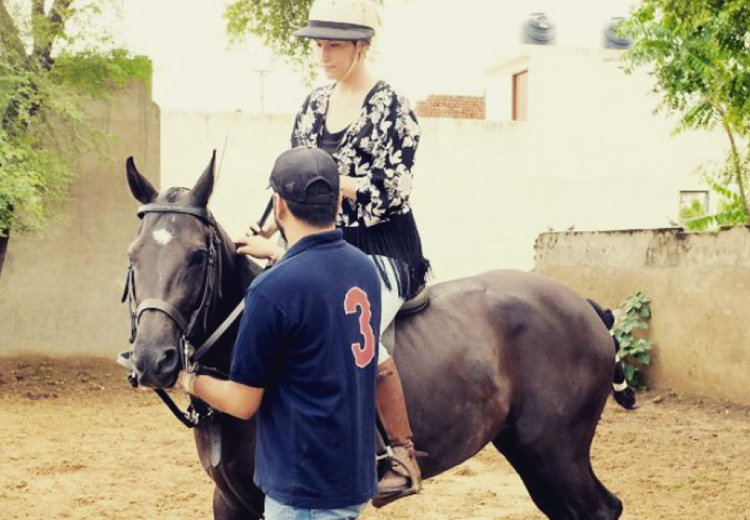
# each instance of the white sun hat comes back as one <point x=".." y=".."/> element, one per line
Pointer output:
<point x="349" y="20"/>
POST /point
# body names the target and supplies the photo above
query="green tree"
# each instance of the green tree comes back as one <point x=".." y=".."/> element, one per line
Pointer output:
<point x="273" y="21"/>
<point x="51" y="60"/>
<point x="698" y="52"/>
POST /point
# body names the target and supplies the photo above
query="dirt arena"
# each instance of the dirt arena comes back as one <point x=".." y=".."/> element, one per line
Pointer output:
<point x="77" y="443"/>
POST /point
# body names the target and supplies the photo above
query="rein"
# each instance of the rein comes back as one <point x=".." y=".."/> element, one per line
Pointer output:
<point x="197" y="411"/>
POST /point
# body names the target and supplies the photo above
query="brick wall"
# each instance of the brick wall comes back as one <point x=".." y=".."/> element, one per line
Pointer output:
<point x="455" y="107"/>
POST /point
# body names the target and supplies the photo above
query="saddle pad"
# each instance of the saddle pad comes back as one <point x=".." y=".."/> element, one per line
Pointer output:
<point x="412" y="306"/>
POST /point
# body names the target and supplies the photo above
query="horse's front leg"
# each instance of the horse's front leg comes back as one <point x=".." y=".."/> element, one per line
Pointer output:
<point x="228" y="509"/>
<point x="226" y="451"/>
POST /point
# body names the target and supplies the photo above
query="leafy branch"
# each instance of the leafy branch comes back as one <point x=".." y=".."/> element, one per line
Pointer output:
<point x="274" y="22"/>
<point x="730" y="213"/>
<point x="43" y="82"/>
<point x="697" y="51"/>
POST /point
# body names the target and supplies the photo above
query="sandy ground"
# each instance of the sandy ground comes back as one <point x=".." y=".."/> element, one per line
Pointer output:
<point x="77" y="443"/>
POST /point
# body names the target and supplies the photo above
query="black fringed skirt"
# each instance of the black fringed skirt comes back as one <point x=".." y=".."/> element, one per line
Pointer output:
<point x="397" y="241"/>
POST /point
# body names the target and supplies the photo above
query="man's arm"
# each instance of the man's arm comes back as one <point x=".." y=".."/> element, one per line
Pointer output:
<point x="233" y="398"/>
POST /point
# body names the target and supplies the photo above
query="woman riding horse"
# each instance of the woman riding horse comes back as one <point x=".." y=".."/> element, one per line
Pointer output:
<point x="372" y="133"/>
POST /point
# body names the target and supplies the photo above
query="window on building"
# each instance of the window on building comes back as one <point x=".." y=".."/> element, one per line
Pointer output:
<point x="693" y="204"/>
<point x="521" y="96"/>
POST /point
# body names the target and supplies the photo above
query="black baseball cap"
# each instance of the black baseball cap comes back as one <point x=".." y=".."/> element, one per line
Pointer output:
<point x="298" y="169"/>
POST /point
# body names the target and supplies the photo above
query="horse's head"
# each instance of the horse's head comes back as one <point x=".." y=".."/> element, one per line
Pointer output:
<point x="174" y="275"/>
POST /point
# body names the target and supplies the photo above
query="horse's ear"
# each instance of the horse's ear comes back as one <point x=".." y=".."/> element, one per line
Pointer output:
<point x="205" y="185"/>
<point x="141" y="189"/>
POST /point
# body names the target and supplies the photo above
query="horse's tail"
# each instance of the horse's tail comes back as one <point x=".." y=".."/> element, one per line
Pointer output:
<point x="623" y="394"/>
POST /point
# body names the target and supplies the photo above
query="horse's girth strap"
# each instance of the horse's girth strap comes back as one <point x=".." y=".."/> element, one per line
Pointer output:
<point x="165" y="307"/>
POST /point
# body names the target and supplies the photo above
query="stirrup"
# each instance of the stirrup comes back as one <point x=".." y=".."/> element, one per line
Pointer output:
<point x="400" y="467"/>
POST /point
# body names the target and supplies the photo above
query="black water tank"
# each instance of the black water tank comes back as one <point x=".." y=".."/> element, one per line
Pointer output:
<point x="614" y="40"/>
<point x="538" y="29"/>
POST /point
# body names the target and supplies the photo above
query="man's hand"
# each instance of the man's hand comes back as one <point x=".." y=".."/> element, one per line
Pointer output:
<point x="259" y="247"/>
<point x="236" y="399"/>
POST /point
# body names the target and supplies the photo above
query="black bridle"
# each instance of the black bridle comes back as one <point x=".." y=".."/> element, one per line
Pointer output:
<point x="210" y="290"/>
<point x="198" y="411"/>
<point x="188" y="327"/>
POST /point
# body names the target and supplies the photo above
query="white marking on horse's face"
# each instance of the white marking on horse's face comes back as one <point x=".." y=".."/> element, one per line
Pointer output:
<point x="162" y="236"/>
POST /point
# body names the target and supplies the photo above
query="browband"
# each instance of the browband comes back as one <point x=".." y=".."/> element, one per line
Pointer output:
<point x="201" y="213"/>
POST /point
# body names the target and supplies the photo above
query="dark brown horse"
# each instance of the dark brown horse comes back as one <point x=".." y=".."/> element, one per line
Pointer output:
<point x="506" y="357"/>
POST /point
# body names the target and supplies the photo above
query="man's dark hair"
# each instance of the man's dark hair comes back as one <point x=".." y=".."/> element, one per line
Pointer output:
<point x="316" y="215"/>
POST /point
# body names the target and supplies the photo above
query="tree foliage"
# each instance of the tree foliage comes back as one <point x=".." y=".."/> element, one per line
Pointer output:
<point x="730" y="211"/>
<point x="698" y="52"/>
<point x="51" y="60"/>
<point x="273" y="21"/>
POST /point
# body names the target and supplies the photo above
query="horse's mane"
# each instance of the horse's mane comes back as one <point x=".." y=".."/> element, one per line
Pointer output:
<point x="241" y="262"/>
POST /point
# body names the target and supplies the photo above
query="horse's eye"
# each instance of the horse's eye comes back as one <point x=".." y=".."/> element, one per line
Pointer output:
<point x="197" y="257"/>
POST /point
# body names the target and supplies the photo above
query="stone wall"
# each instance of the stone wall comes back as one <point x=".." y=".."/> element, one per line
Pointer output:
<point x="60" y="293"/>
<point x="698" y="283"/>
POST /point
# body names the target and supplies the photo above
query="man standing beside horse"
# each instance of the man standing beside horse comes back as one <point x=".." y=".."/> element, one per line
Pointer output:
<point x="306" y="355"/>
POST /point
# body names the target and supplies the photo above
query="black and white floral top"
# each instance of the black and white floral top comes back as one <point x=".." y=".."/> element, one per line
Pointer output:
<point x="378" y="148"/>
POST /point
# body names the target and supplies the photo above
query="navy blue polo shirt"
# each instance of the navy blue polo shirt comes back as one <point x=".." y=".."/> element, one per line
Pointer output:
<point x="309" y="336"/>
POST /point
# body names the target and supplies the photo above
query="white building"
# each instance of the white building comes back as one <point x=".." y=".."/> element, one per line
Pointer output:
<point x="599" y="122"/>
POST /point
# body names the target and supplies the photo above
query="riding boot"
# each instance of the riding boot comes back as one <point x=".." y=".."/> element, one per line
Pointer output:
<point x="403" y="477"/>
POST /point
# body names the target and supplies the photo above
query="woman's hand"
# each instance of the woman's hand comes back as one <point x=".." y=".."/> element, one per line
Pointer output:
<point x="349" y="186"/>
<point x="266" y="232"/>
<point x="259" y="247"/>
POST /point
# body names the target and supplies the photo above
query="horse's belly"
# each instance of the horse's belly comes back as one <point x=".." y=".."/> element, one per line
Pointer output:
<point x="451" y="364"/>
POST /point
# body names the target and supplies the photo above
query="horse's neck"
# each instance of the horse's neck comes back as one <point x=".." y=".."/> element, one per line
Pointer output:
<point x="237" y="274"/>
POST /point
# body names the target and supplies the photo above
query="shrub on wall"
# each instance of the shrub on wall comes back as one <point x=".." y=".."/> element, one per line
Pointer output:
<point x="634" y="352"/>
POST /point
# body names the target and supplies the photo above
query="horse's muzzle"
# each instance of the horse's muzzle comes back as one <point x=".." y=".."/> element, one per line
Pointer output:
<point x="154" y="367"/>
<point x="125" y="361"/>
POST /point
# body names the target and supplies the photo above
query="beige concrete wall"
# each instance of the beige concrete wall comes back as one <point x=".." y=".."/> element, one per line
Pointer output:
<point x="60" y="293"/>
<point x="483" y="190"/>
<point x="698" y="283"/>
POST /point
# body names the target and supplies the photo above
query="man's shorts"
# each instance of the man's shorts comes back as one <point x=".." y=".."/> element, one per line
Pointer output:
<point x="278" y="511"/>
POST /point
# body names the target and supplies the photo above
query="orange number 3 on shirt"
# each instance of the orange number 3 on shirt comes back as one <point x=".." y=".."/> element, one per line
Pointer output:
<point x="356" y="297"/>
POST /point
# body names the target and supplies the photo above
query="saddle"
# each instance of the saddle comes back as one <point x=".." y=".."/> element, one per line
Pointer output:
<point x="412" y="306"/>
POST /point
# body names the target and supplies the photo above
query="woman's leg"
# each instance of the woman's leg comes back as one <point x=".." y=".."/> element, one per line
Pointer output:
<point x="404" y="477"/>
